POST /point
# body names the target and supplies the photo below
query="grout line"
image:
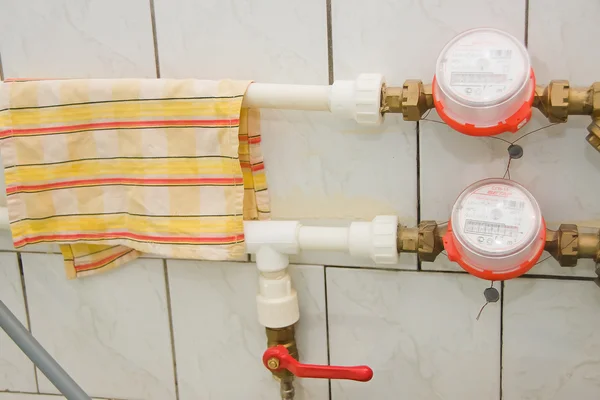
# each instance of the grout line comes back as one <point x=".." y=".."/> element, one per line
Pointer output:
<point x="526" y="38"/>
<point x="559" y="278"/>
<point x="501" y="333"/>
<point x="171" y="330"/>
<point x="154" y="38"/>
<point x="396" y="269"/>
<point x="327" y="327"/>
<point x="329" y="41"/>
<point x="418" y="129"/>
<point x="27" y="316"/>
<point x="27" y="252"/>
<point x="429" y="271"/>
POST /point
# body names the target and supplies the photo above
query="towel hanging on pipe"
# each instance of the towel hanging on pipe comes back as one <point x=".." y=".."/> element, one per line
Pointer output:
<point x="111" y="169"/>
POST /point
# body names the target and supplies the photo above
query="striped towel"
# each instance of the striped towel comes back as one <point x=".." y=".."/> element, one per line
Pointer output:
<point x="111" y="169"/>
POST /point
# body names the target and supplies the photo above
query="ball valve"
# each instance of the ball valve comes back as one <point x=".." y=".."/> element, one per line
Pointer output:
<point x="277" y="358"/>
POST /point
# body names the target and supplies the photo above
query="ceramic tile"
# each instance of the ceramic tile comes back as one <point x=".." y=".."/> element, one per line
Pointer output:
<point x="16" y="371"/>
<point x="418" y="331"/>
<point x="402" y="39"/>
<point x="76" y="39"/>
<point x="217" y="334"/>
<point x="109" y="331"/>
<point x="561" y="49"/>
<point x="551" y="340"/>
<point x="261" y="40"/>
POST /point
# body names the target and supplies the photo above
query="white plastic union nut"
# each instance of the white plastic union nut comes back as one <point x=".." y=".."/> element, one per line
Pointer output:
<point x="376" y="240"/>
<point x="277" y="301"/>
<point x="359" y="99"/>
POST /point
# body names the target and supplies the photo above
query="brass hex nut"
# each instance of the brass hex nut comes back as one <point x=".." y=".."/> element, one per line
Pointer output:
<point x="286" y="337"/>
<point x="392" y="99"/>
<point x="568" y="245"/>
<point x="408" y="239"/>
<point x="273" y="363"/>
<point x="593" y="137"/>
<point x="558" y="101"/>
<point x="429" y="241"/>
<point x="414" y="102"/>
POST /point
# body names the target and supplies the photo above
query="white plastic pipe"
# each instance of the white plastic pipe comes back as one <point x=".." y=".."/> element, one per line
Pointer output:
<point x="323" y="238"/>
<point x="375" y="239"/>
<point x="287" y="97"/>
<point x="359" y="99"/>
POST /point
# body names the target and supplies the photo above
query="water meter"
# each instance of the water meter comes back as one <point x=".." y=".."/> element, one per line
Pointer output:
<point x="484" y="84"/>
<point x="496" y="230"/>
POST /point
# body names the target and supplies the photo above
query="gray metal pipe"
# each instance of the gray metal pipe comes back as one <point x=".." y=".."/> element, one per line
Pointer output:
<point x="39" y="356"/>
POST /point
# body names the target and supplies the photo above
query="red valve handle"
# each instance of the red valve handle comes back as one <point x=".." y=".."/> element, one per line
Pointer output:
<point x="278" y="357"/>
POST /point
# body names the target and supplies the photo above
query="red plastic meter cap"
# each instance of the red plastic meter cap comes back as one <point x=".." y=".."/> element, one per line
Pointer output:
<point x="484" y="84"/>
<point x="496" y="231"/>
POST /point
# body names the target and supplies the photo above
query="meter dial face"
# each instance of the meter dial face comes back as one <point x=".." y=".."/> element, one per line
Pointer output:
<point x="498" y="218"/>
<point x="483" y="67"/>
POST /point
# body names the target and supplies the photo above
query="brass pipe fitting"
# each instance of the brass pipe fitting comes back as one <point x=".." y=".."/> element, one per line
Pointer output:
<point x="408" y="239"/>
<point x="593" y="137"/>
<point x="413" y="99"/>
<point x="430" y="242"/>
<point x="286" y="337"/>
<point x="589" y="246"/>
<point x="558" y="100"/>
<point x="567" y="245"/>
<point x="563" y="244"/>
<point x="425" y="240"/>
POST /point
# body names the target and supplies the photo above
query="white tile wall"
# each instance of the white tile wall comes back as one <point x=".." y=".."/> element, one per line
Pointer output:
<point x="16" y="371"/>
<point x="110" y="332"/>
<point x="218" y="342"/>
<point x="402" y="39"/>
<point x="76" y="39"/>
<point x="416" y="329"/>
<point x="558" y="49"/>
<point x="258" y="40"/>
<point x="551" y="340"/>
